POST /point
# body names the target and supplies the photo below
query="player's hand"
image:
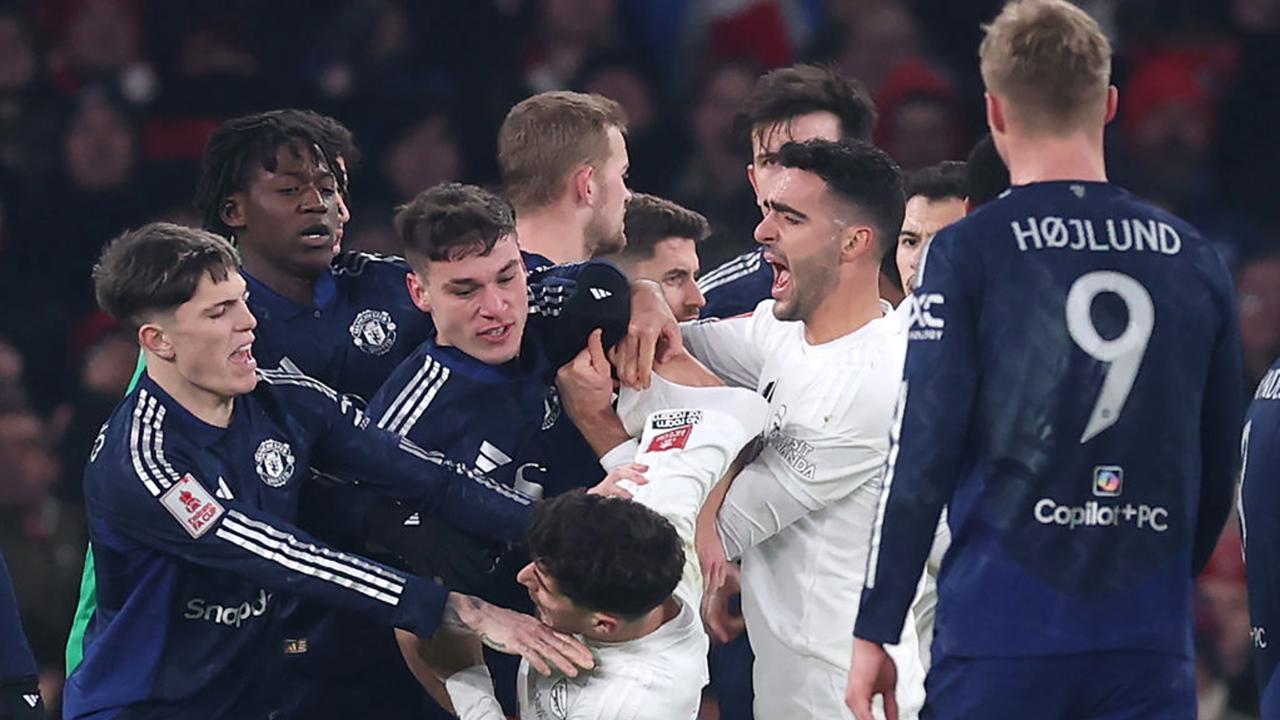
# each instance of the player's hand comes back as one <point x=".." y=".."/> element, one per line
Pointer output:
<point x="430" y="546"/>
<point x="609" y="485"/>
<point x="871" y="673"/>
<point x="586" y="382"/>
<point x="722" y="582"/>
<point x="653" y="332"/>
<point x="513" y="633"/>
<point x="20" y="700"/>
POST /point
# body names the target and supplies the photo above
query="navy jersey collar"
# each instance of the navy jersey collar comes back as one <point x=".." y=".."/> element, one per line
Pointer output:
<point x="191" y="428"/>
<point x="323" y="294"/>
<point x="530" y="363"/>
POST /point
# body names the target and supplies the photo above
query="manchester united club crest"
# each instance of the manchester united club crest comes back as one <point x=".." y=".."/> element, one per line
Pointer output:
<point x="373" y="331"/>
<point x="274" y="462"/>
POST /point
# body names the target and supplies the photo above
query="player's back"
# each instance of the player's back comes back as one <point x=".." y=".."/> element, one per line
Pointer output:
<point x="1260" y="530"/>
<point x="1095" y="323"/>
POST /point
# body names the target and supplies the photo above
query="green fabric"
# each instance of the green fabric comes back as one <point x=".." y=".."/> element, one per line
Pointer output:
<point x="88" y="581"/>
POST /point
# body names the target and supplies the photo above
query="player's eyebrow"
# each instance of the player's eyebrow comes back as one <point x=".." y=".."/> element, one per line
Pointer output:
<point x="784" y="208"/>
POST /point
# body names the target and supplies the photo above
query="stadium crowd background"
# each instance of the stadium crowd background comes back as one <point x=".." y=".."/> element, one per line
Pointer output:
<point x="105" y="106"/>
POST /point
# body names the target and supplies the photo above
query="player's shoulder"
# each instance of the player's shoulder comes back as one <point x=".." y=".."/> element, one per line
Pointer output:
<point x="280" y="387"/>
<point x="731" y="270"/>
<point x="854" y="389"/>
<point x="141" y="445"/>
<point x="350" y="263"/>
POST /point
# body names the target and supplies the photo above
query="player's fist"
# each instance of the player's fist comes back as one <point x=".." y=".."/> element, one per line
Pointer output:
<point x="653" y="332"/>
<point x="871" y="673"/>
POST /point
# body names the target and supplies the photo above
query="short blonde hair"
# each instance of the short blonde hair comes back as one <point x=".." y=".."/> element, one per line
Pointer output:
<point x="1050" y="61"/>
<point x="546" y="136"/>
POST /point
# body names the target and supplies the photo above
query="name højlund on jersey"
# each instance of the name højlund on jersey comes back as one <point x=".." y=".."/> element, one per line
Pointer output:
<point x="1269" y="388"/>
<point x="1115" y="235"/>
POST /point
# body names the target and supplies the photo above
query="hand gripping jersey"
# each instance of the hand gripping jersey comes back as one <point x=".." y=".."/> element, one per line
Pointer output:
<point x="688" y="439"/>
<point x="1072" y="388"/>
<point x="195" y="546"/>
<point x="800" y="514"/>
<point x="1259" y="508"/>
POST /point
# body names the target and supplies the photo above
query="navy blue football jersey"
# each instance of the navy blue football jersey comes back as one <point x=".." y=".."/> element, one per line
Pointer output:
<point x="360" y="325"/>
<point x="1260" y="528"/>
<point x="15" y="655"/>
<point x="1072" y="389"/>
<point x="736" y="287"/>
<point x="195" y="546"/>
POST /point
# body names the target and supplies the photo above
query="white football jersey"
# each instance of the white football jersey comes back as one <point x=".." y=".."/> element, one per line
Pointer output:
<point x="826" y="440"/>
<point x="688" y="438"/>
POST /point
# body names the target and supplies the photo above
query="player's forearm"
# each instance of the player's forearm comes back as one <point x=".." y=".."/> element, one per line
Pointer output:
<point x="602" y="430"/>
<point x="706" y="536"/>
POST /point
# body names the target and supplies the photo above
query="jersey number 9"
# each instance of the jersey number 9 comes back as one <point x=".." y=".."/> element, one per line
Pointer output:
<point x="1124" y="352"/>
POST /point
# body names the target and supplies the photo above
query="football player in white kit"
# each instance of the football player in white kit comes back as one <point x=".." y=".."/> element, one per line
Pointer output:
<point x="623" y="574"/>
<point x="827" y="355"/>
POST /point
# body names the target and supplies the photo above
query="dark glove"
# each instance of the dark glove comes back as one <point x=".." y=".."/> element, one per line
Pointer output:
<point x="430" y="546"/>
<point x="20" y="700"/>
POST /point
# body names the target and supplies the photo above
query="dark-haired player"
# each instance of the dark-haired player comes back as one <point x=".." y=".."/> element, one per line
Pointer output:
<point x="193" y="486"/>
<point x="796" y="103"/>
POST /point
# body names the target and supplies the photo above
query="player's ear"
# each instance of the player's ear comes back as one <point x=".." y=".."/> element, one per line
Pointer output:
<point x="995" y="113"/>
<point x="417" y="291"/>
<point x="855" y="240"/>
<point x="1113" y="103"/>
<point x="604" y="623"/>
<point x="584" y="190"/>
<point x="232" y="211"/>
<point x="751" y="176"/>
<point x="153" y="338"/>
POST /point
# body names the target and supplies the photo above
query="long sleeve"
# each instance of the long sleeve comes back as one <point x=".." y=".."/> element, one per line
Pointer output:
<point x="1220" y="417"/>
<point x="164" y="505"/>
<point x="351" y="447"/>
<point x="15" y="656"/>
<point x="727" y="347"/>
<point x="926" y="444"/>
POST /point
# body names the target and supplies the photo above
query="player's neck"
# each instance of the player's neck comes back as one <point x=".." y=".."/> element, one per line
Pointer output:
<point x="206" y="406"/>
<point x="553" y="234"/>
<point x="1048" y="158"/>
<point x="654" y="619"/>
<point x="299" y="290"/>
<point x="854" y="302"/>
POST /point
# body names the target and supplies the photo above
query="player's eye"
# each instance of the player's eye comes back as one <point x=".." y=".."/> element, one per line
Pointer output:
<point x="288" y="190"/>
<point x="506" y="279"/>
<point x="464" y="293"/>
<point x="792" y="220"/>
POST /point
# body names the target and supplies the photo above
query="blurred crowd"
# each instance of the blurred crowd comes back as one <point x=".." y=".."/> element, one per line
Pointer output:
<point x="105" y="106"/>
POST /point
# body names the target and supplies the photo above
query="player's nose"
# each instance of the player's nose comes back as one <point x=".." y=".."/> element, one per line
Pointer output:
<point x="525" y="576"/>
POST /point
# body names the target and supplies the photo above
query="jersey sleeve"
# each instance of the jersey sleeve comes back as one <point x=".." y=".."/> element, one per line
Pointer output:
<point x="471" y="691"/>
<point x="931" y="422"/>
<point x="729" y="348"/>
<point x="1220" y="416"/>
<point x="567" y="302"/>
<point x="160" y="502"/>
<point x="351" y="447"/>
<point x="16" y="660"/>
<point x="690" y="437"/>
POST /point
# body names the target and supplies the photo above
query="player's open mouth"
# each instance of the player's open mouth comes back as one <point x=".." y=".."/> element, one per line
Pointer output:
<point x="243" y="357"/>
<point x="781" y="278"/>
<point x="317" y="236"/>
<point x="497" y="335"/>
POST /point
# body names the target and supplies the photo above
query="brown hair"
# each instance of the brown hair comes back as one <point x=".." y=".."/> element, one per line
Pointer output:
<point x="451" y="221"/>
<point x="546" y="136"/>
<point x="1050" y="60"/>
<point x="157" y="268"/>
<point x="652" y="219"/>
